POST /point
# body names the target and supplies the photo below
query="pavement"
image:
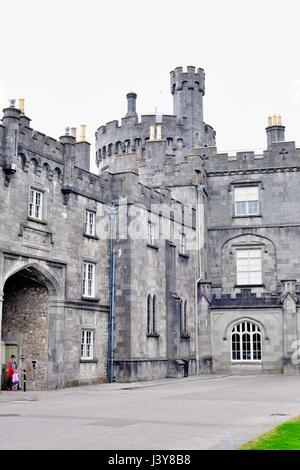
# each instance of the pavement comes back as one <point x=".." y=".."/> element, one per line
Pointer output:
<point x="204" y="412"/>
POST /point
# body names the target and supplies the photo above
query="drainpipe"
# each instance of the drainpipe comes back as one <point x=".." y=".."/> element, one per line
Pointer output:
<point x="112" y="212"/>
<point x="198" y="269"/>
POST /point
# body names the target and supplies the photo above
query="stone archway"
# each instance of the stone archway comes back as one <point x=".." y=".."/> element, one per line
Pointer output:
<point x="32" y="324"/>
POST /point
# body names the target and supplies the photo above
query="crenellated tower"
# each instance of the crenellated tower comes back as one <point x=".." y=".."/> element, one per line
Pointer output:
<point x="188" y="89"/>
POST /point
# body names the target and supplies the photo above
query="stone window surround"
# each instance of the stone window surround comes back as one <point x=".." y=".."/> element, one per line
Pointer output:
<point x="257" y="330"/>
<point x="152" y="316"/>
<point x="41" y="189"/>
<point x="243" y="184"/>
<point x="87" y="235"/>
<point x="84" y="296"/>
<point x="248" y="246"/>
<point x="91" y="328"/>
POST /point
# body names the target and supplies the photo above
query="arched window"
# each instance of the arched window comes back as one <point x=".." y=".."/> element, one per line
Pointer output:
<point x="118" y="147"/>
<point x="46" y="170"/>
<point x="127" y="146"/>
<point x="110" y="150"/>
<point x="246" y="344"/>
<point x="151" y="315"/>
<point x="183" y="317"/>
<point x="57" y="175"/>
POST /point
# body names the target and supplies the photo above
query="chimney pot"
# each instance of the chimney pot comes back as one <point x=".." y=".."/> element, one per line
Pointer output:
<point x="21" y="105"/>
<point x="73" y="132"/>
<point x="82" y="133"/>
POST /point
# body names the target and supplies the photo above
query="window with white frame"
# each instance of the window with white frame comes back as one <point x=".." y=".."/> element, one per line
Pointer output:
<point x="88" y="287"/>
<point x="90" y="223"/>
<point x="248" y="267"/>
<point x="246" y="342"/>
<point x="151" y="233"/>
<point x="36" y="204"/>
<point x="246" y="200"/>
<point x="87" y="344"/>
<point x="182" y="244"/>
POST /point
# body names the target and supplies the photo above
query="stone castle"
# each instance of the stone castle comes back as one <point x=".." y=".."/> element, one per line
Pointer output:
<point x="174" y="260"/>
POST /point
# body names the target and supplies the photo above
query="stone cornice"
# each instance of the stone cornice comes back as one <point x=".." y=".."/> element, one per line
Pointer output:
<point x="256" y="171"/>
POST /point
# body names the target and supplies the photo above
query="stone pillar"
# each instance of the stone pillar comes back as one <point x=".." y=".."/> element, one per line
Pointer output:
<point x="11" y="121"/>
<point x="290" y="327"/>
<point x="55" y="348"/>
<point x="69" y="163"/>
<point x="205" y="351"/>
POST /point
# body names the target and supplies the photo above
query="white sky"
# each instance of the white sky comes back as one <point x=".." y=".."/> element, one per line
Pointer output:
<point x="74" y="61"/>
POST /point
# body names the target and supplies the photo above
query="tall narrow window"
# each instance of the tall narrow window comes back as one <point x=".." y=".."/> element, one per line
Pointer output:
<point x="151" y="315"/>
<point x="246" y="201"/>
<point x="87" y="344"/>
<point x="89" y="225"/>
<point x="246" y="344"/>
<point x="183" y="317"/>
<point x="248" y="266"/>
<point x="88" y="287"/>
<point x="36" y="204"/>
<point x="150" y="234"/>
<point x="154" y="315"/>
<point x="182" y="247"/>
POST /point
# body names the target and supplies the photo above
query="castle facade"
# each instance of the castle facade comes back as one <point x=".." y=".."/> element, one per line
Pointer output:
<point x="173" y="260"/>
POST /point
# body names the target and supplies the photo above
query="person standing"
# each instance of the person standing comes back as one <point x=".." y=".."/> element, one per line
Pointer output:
<point x="11" y="368"/>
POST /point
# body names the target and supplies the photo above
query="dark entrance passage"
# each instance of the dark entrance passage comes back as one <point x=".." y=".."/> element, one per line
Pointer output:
<point x="25" y="327"/>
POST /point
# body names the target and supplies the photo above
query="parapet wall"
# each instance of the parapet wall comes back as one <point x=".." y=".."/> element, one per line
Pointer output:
<point x="37" y="142"/>
<point x="131" y="137"/>
<point x="279" y="155"/>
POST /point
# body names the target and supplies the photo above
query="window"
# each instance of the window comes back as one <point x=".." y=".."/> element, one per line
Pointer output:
<point x="248" y="266"/>
<point x="182" y="246"/>
<point x="89" y="225"/>
<point x="151" y="315"/>
<point x="246" y="344"/>
<point x="87" y="345"/>
<point x="150" y="235"/>
<point x="183" y="317"/>
<point x="88" y="287"/>
<point x="36" y="204"/>
<point x="246" y="201"/>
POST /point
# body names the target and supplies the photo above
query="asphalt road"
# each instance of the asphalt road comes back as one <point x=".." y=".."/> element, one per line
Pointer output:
<point x="205" y="413"/>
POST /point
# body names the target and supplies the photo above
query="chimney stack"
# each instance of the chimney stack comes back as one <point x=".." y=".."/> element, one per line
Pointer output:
<point x="131" y="104"/>
<point x="275" y="130"/>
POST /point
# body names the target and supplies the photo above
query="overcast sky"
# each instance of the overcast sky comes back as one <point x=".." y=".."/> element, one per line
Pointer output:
<point x="74" y="61"/>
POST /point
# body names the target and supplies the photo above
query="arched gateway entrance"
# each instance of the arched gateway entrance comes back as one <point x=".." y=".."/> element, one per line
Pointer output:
<point x="31" y="328"/>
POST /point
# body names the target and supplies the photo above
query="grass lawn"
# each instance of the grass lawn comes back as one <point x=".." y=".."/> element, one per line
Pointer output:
<point x="284" y="437"/>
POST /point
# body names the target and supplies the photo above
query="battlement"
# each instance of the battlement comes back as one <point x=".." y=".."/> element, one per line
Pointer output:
<point x="192" y="78"/>
<point x="36" y="141"/>
<point x="279" y="155"/>
<point x="131" y="136"/>
<point x="181" y="130"/>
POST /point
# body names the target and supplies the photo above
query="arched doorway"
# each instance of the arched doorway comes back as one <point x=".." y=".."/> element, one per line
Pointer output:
<point x="25" y="325"/>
